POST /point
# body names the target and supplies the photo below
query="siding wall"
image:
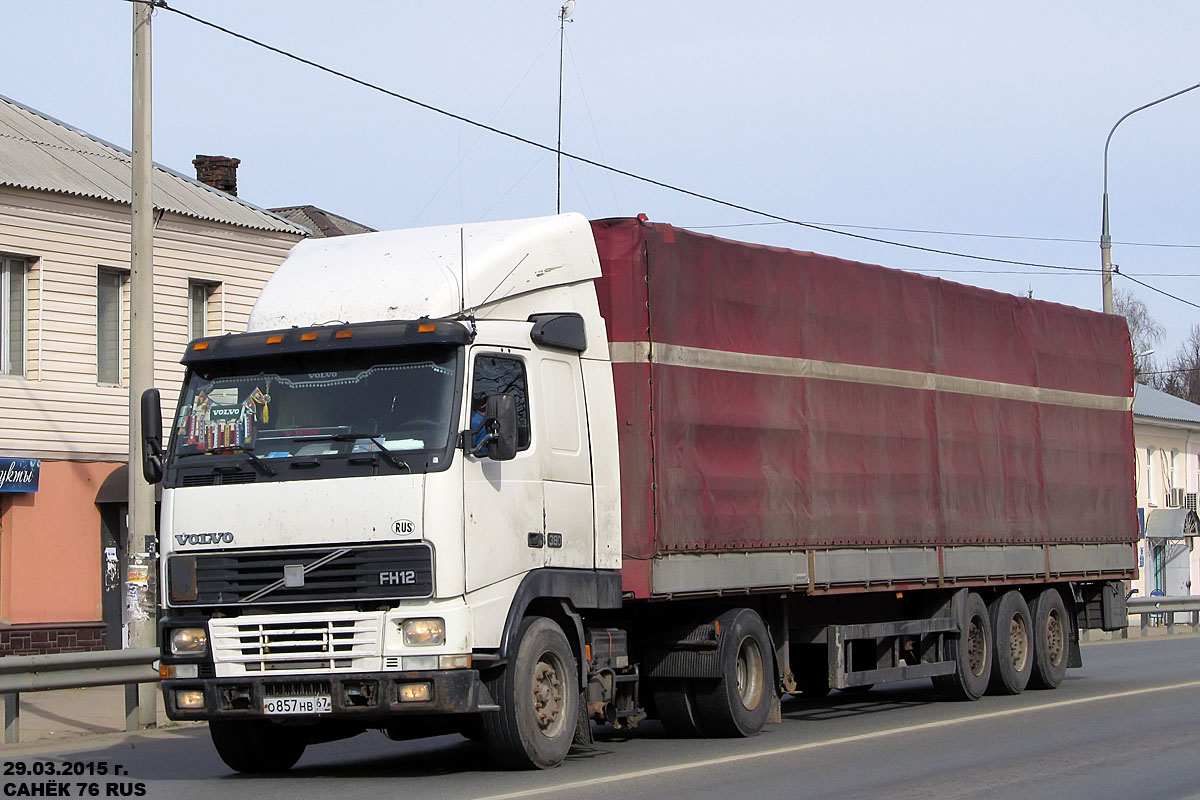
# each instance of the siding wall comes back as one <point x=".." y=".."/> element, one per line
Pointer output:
<point x="58" y="410"/>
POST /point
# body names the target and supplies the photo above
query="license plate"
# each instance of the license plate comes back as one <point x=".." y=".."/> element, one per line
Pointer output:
<point x="308" y="704"/>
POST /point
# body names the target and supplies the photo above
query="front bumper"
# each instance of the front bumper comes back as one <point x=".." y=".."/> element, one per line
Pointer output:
<point x="360" y="697"/>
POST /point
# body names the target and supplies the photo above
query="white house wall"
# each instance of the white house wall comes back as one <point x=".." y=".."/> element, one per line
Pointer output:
<point x="58" y="410"/>
<point x="1164" y="437"/>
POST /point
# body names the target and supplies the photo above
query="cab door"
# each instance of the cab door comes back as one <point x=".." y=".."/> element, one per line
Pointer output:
<point x="503" y="505"/>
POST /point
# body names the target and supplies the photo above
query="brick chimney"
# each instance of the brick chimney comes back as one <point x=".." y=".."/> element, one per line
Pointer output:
<point x="219" y="172"/>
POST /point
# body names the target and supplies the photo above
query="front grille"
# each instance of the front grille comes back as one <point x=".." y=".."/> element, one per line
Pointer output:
<point x="312" y="574"/>
<point x="222" y="478"/>
<point x="315" y="644"/>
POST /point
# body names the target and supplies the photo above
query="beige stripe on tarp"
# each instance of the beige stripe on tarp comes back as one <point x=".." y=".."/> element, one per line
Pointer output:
<point x="783" y="366"/>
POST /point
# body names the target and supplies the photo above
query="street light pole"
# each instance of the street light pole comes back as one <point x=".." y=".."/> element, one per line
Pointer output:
<point x="1105" y="239"/>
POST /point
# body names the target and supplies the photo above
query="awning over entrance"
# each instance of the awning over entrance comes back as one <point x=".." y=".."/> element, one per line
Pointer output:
<point x="1172" y="523"/>
<point x="115" y="488"/>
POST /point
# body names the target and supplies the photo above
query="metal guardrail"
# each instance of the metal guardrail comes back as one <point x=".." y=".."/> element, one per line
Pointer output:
<point x="133" y="668"/>
<point x="1162" y="610"/>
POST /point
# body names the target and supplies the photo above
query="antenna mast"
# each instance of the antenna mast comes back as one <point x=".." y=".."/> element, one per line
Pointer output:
<point x="564" y="15"/>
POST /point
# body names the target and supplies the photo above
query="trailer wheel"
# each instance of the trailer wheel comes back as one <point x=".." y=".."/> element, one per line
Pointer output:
<point x="257" y="745"/>
<point x="675" y="703"/>
<point x="538" y="695"/>
<point x="1051" y="640"/>
<point x="737" y="703"/>
<point x="1012" y="633"/>
<point x="972" y="654"/>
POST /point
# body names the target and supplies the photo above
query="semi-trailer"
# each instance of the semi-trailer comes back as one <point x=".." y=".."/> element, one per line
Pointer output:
<point x="513" y="478"/>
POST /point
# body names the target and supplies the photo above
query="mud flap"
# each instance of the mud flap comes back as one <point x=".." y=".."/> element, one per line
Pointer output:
<point x="583" y="726"/>
<point x="775" y="712"/>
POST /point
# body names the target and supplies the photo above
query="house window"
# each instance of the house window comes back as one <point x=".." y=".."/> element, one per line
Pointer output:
<point x="1150" y="476"/>
<point x="12" y="315"/>
<point x="200" y="311"/>
<point x="109" y="284"/>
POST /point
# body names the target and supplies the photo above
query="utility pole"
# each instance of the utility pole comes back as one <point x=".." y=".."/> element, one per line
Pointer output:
<point x="142" y="548"/>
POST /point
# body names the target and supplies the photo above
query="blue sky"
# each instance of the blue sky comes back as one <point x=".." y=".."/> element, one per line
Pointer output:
<point x="985" y="118"/>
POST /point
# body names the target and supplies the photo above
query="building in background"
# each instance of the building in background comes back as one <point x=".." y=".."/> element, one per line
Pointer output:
<point x="1166" y="435"/>
<point x="64" y="357"/>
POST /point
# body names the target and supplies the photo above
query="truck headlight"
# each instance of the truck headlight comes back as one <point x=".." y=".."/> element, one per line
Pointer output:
<point x="189" y="641"/>
<point x="423" y="632"/>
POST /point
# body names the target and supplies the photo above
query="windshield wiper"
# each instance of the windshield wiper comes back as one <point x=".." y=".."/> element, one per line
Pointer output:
<point x="388" y="455"/>
<point x="261" y="465"/>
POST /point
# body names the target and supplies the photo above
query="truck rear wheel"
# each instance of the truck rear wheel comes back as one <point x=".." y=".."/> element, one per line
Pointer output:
<point x="972" y="653"/>
<point x="737" y="703"/>
<point x="675" y="703"/>
<point x="1051" y="640"/>
<point x="538" y="695"/>
<point x="1012" y="633"/>
<point x="257" y="745"/>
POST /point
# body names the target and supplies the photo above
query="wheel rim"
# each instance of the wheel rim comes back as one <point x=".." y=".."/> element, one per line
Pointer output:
<point x="976" y="646"/>
<point x="1018" y="642"/>
<point x="1055" y="638"/>
<point x="749" y="671"/>
<point x="549" y="695"/>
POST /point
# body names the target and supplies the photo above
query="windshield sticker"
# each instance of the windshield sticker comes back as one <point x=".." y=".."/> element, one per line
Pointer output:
<point x="211" y="426"/>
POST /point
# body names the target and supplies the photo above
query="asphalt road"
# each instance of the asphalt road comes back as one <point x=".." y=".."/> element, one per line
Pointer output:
<point x="1126" y="725"/>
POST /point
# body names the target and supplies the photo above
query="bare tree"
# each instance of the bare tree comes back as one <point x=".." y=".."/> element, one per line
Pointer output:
<point x="1144" y="332"/>
<point x="1182" y="377"/>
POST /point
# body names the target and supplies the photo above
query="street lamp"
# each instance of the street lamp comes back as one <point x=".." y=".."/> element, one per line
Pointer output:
<point x="1105" y="239"/>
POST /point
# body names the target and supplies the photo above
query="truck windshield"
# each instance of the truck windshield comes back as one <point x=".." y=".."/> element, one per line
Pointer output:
<point x="329" y="404"/>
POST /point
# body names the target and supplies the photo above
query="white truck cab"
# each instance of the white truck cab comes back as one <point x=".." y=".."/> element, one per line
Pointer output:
<point x="344" y="540"/>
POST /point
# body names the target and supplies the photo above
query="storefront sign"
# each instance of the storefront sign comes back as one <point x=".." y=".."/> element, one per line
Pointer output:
<point x="19" y="474"/>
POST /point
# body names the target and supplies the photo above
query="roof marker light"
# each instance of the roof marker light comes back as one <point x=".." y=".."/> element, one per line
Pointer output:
<point x="343" y="334"/>
<point x="308" y="337"/>
<point x="274" y="339"/>
<point x="426" y="328"/>
<point x="200" y="346"/>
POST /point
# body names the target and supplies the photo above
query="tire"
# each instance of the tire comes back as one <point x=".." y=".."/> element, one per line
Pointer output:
<point x="1051" y="640"/>
<point x="737" y="703"/>
<point x="675" y="702"/>
<point x="971" y="652"/>
<point x="257" y="745"/>
<point x="1012" y="632"/>
<point x="538" y="695"/>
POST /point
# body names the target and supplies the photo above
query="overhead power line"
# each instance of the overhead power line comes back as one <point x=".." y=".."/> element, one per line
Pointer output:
<point x="931" y="232"/>
<point x="162" y="4"/>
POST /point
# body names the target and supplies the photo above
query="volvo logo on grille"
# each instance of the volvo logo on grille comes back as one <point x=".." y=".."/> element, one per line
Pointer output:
<point x="192" y="539"/>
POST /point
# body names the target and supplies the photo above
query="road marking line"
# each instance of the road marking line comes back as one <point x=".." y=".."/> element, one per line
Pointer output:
<point x="858" y="737"/>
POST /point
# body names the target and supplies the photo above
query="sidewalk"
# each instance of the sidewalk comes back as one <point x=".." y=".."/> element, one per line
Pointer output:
<point x="68" y="713"/>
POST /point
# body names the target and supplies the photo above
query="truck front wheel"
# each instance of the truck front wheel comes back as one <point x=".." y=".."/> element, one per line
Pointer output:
<point x="538" y="695"/>
<point x="257" y="745"/>
<point x="737" y="703"/>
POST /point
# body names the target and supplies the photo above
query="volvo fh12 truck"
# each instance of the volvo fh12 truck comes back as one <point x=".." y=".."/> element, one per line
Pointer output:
<point x="515" y="478"/>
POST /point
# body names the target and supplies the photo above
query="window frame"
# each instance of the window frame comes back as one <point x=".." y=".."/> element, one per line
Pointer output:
<point x="122" y="278"/>
<point x="208" y="290"/>
<point x="8" y="263"/>
<point x="525" y="431"/>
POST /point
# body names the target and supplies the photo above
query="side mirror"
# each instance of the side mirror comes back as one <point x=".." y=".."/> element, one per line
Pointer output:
<point x="152" y="451"/>
<point x="501" y="425"/>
